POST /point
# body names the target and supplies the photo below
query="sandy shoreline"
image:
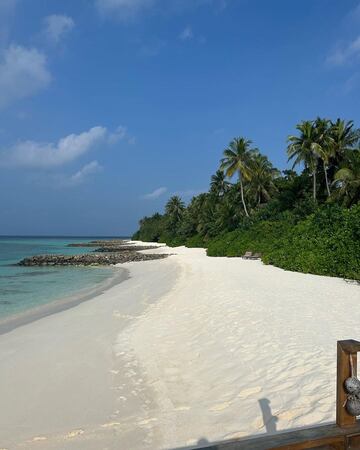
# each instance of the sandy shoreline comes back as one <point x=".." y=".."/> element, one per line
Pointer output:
<point x="188" y="349"/>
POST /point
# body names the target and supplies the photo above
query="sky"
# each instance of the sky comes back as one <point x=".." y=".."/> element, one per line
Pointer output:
<point x="109" y="107"/>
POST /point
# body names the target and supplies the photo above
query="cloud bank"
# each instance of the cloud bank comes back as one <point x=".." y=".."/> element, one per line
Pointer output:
<point x="35" y="155"/>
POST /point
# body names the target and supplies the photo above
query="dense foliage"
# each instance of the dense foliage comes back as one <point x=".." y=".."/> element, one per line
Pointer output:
<point x="308" y="222"/>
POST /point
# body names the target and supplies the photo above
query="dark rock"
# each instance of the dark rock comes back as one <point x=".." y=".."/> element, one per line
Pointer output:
<point x="89" y="259"/>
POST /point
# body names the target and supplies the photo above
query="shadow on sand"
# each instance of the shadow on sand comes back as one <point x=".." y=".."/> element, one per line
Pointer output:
<point x="269" y="421"/>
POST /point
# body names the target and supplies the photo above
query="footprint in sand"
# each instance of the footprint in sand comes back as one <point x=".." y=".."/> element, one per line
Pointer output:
<point x="147" y="421"/>
<point x="182" y="408"/>
<point x="250" y="391"/>
<point x="74" y="433"/>
<point x="220" y="406"/>
<point x="284" y="386"/>
<point x="236" y="435"/>
<point x="289" y="415"/>
<point x="111" y="425"/>
<point x="299" y="370"/>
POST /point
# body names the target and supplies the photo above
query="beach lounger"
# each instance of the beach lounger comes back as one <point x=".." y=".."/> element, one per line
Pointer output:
<point x="256" y="256"/>
<point x="247" y="255"/>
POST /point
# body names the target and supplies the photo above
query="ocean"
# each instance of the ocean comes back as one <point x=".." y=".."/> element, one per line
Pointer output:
<point x="25" y="288"/>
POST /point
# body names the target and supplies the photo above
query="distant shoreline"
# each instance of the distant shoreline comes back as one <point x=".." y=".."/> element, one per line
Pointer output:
<point x="50" y="236"/>
<point x="31" y="315"/>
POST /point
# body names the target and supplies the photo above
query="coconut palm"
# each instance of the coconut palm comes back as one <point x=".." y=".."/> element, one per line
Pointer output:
<point x="174" y="210"/>
<point x="344" y="137"/>
<point x="236" y="159"/>
<point x="324" y="146"/>
<point x="347" y="179"/>
<point x="218" y="185"/>
<point x="301" y="149"/>
<point x="261" y="185"/>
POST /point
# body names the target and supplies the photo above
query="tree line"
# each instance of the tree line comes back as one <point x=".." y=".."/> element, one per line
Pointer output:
<point x="247" y="187"/>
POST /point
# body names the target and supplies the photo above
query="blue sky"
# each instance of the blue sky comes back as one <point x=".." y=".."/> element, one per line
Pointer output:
<point x="108" y="107"/>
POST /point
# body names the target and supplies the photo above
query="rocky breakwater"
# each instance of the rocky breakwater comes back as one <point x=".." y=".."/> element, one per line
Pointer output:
<point x="99" y="243"/>
<point x="89" y="259"/>
<point x="124" y="248"/>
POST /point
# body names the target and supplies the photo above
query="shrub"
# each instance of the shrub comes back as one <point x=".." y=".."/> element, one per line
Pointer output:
<point x="196" y="241"/>
<point x="327" y="242"/>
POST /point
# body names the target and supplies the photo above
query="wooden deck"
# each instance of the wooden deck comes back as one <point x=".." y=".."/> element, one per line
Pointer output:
<point x="321" y="437"/>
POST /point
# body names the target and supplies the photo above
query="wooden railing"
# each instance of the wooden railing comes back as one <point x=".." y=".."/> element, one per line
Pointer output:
<point x="344" y="435"/>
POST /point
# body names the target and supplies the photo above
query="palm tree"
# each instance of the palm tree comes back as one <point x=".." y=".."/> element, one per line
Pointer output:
<point x="174" y="210"/>
<point x="263" y="174"/>
<point x="236" y="159"/>
<point x="218" y="185"/>
<point x="302" y="149"/>
<point x="347" y="179"/>
<point x="323" y="146"/>
<point x="344" y="136"/>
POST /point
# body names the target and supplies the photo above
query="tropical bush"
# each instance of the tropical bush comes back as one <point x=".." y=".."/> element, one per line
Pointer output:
<point x="327" y="242"/>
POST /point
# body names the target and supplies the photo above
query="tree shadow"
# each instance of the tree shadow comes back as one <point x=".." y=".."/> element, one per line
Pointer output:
<point x="268" y="418"/>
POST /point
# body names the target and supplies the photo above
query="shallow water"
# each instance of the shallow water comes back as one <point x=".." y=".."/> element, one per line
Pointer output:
<point x="23" y="288"/>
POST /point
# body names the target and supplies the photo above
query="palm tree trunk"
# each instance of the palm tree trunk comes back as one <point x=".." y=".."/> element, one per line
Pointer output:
<point x="314" y="185"/>
<point x="242" y="195"/>
<point x="327" y="181"/>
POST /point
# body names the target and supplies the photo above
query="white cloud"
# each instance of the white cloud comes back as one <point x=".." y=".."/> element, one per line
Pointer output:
<point x="187" y="34"/>
<point x="23" y="72"/>
<point x="155" y="194"/>
<point x="345" y="53"/>
<point x="120" y="134"/>
<point x="30" y="154"/>
<point x="82" y="175"/>
<point x="57" y="26"/>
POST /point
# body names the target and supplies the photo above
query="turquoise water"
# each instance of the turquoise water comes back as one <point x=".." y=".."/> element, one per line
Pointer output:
<point x="23" y="288"/>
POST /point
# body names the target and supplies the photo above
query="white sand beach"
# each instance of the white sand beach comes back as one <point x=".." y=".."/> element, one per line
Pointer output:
<point x="187" y="350"/>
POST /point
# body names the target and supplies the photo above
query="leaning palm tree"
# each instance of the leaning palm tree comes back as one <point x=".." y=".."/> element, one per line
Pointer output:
<point x="302" y="149"/>
<point x="236" y="159"/>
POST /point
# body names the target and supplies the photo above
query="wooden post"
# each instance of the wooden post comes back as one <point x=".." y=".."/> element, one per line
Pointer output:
<point x="344" y="350"/>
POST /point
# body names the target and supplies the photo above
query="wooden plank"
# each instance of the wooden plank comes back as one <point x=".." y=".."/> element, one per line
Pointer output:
<point x="307" y="438"/>
<point x="353" y="442"/>
<point x="344" y="350"/>
<point x="337" y="443"/>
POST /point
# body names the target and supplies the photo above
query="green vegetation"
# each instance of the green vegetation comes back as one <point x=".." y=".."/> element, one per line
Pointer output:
<point x="307" y="222"/>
